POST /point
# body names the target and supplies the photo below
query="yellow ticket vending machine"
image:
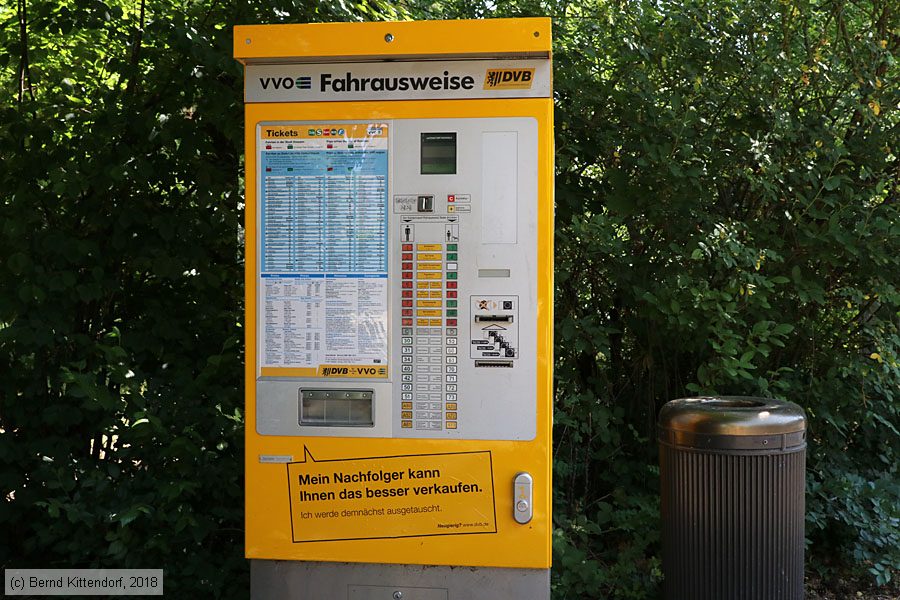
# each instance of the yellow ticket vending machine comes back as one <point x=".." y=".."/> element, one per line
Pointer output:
<point x="399" y="290"/>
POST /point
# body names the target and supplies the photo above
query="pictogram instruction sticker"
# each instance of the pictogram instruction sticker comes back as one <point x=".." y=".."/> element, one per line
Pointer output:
<point x="391" y="496"/>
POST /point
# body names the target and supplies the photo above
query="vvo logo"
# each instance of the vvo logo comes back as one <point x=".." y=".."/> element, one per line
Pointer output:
<point x="508" y="79"/>
<point x="286" y="83"/>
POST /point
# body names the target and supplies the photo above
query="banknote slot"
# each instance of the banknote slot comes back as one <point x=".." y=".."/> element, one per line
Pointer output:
<point x="493" y="318"/>
<point x="494" y="363"/>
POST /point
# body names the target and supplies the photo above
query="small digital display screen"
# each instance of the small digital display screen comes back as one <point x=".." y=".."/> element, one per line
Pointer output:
<point x="439" y="153"/>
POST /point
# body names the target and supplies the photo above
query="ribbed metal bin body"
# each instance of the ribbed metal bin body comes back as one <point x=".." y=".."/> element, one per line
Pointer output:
<point x="732" y="473"/>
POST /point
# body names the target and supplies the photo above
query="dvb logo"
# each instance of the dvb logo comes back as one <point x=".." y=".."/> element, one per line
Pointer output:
<point x="335" y="371"/>
<point x="508" y="79"/>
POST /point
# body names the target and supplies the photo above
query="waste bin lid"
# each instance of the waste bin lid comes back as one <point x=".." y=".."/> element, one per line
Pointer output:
<point x="732" y="415"/>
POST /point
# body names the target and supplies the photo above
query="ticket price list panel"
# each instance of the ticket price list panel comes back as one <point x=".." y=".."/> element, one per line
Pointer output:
<point x="429" y="332"/>
<point x="323" y="245"/>
<point x="303" y="234"/>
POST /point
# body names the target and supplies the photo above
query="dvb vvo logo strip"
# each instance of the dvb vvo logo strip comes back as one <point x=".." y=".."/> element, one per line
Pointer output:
<point x="267" y="83"/>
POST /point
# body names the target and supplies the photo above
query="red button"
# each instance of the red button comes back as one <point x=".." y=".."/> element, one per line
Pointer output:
<point x="407" y="293"/>
<point x="407" y="321"/>
<point x="407" y="284"/>
<point x="407" y="303"/>
<point x="452" y="285"/>
<point x="407" y="266"/>
<point x="407" y="247"/>
<point x="407" y="256"/>
<point x="407" y="312"/>
<point x="451" y="322"/>
<point x="451" y="198"/>
<point x="407" y="275"/>
<point x="452" y="294"/>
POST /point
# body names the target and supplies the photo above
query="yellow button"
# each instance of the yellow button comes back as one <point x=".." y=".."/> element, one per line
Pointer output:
<point x="451" y="416"/>
<point x="422" y="322"/>
<point x="422" y="284"/>
<point x="425" y="266"/>
<point x="408" y="405"/>
<point x="437" y="294"/>
<point x="428" y="303"/>
<point x="406" y="414"/>
<point x="429" y="247"/>
<point x="406" y="424"/>
<point x="423" y="256"/>
<point x="436" y="285"/>
<point x="451" y="209"/>
<point x="450" y="405"/>
<point x="434" y="322"/>
<point x="451" y="424"/>
<point x="428" y="312"/>
<point x="428" y="275"/>
<point x="423" y="293"/>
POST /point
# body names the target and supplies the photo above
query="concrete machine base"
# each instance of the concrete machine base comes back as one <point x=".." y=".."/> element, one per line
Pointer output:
<point x="293" y="580"/>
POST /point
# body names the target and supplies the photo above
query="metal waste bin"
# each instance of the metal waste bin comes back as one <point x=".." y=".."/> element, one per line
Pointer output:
<point x="732" y="481"/>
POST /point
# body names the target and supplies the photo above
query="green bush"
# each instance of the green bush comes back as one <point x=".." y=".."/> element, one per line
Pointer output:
<point x="121" y="427"/>
<point x="727" y="222"/>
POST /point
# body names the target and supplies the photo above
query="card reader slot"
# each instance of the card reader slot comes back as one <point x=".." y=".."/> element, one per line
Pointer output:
<point x="493" y="318"/>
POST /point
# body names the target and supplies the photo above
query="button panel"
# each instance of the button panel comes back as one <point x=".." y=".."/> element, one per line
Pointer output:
<point x="454" y="237"/>
<point x="429" y="263"/>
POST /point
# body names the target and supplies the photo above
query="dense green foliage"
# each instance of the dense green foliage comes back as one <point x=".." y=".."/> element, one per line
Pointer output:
<point x="121" y="282"/>
<point x="728" y="221"/>
<point x="121" y="277"/>
<point x="728" y="215"/>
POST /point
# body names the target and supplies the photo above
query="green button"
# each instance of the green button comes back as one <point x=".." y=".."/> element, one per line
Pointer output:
<point x="451" y="313"/>
<point x="451" y="275"/>
<point x="451" y="247"/>
<point x="451" y="256"/>
<point x="451" y="303"/>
